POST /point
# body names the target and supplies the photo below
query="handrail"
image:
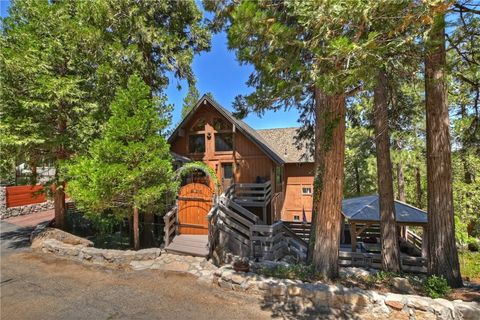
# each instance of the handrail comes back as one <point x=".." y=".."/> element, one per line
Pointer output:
<point x="170" y="224"/>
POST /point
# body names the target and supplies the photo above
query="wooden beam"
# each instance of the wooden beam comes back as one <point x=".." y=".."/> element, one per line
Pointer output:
<point x="367" y="224"/>
<point x="353" y="234"/>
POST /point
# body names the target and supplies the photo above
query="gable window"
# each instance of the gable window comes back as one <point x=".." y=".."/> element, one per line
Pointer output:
<point x="296" y="218"/>
<point x="220" y="125"/>
<point x="196" y="143"/>
<point x="224" y="141"/>
<point x="306" y="190"/>
<point x="199" y="125"/>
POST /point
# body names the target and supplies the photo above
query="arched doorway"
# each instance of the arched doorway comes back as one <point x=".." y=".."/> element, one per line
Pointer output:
<point x="194" y="202"/>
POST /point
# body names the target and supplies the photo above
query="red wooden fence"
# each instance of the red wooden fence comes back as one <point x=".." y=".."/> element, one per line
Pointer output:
<point x="23" y="195"/>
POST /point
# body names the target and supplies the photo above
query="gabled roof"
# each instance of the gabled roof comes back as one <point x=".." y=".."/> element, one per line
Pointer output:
<point x="282" y="140"/>
<point x="367" y="208"/>
<point x="241" y="126"/>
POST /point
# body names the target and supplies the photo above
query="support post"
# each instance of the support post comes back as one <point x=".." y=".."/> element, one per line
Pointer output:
<point x="424" y="242"/>
<point x="353" y="232"/>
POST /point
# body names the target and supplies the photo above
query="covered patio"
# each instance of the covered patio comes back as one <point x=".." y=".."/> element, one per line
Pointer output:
<point x="362" y="226"/>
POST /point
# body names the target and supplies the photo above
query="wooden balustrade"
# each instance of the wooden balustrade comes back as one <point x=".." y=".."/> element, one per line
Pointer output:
<point x="170" y="228"/>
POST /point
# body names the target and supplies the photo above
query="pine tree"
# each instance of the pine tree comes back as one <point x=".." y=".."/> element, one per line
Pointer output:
<point x="129" y="169"/>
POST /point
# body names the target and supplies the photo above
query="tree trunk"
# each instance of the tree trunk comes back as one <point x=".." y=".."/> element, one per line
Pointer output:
<point x="401" y="183"/>
<point x="328" y="184"/>
<point x="357" y="179"/>
<point x="388" y="229"/>
<point x="443" y="256"/>
<point x="136" y="230"/>
<point x="419" y="192"/>
<point x="59" y="205"/>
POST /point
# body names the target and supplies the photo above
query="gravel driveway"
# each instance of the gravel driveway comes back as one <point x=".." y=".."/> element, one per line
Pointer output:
<point x="38" y="286"/>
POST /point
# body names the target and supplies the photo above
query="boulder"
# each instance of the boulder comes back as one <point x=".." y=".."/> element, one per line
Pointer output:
<point x="402" y="285"/>
<point x="42" y="234"/>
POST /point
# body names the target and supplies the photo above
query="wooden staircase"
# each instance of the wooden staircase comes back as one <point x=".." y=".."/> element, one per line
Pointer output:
<point x="189" y="244"/>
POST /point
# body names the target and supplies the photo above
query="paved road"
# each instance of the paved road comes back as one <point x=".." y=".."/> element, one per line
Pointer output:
<point x="36" y="286"/>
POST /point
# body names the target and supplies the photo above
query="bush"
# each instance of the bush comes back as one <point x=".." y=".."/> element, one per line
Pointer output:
<point x="474" y="246"/>
<point x="436" y="287"/>
<point x="294" y="271"/>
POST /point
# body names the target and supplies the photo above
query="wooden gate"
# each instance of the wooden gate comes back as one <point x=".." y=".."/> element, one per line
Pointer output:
<point x="194" y="203"/>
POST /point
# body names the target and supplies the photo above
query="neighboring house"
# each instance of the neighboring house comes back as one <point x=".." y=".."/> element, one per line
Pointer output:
<point x="242" y="155"/>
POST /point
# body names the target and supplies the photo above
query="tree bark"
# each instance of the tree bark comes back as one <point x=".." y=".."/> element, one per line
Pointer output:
<point x="401" y="183"/>
<point x="388" y="229"/>
<point x="442" y="253"/>
<point x="59" y="205"/>
<point x="136" y="229"/>
<point x="419" y="192"/>
<point x="328" y="184"/>
<point x="357" y="179"/>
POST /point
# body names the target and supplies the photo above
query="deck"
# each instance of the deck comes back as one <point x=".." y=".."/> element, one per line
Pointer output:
<point x="189" y="244"/>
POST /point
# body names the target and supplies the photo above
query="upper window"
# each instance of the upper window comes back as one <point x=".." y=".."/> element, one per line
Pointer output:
<point x="220" y="124"/>
<point x="296" y="218"/>
<point x="223" y="141"/>
<point x="306" y="190"/>
<point x="199" y="125"/>
<point x="196" y="143"/>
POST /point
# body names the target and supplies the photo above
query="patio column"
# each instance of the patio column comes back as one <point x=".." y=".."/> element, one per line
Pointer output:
<point x="353" y="235"/>
<point x="424" y="242"/>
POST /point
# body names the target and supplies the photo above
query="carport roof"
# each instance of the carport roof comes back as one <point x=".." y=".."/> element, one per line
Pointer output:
<point x="367" y="208"/>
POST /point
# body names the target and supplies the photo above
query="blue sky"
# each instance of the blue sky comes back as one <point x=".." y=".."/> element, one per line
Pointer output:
<point x="218" y="72"/>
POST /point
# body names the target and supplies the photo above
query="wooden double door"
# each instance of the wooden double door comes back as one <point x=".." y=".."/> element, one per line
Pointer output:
<point x="194" y="203"/>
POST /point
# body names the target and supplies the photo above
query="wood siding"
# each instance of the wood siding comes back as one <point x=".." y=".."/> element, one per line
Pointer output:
<point x="249" y="162"/>
<point x="194" y="203"/>
<point x="297" y="176"/>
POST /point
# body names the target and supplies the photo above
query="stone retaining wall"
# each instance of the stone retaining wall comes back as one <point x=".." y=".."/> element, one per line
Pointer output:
<point x="98" y="256"/>
<point x="337" y="301"/>
<point x="20" y="210"/>
<point x="286" y="298"/>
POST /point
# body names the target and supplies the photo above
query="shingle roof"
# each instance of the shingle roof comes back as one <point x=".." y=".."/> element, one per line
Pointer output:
<point x="367" y="209"/>
<point x="282" y="140"/>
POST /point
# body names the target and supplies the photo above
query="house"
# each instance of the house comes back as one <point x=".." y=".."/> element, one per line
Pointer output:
<point x="244" y="156"/>
<point x="266" y="184"/>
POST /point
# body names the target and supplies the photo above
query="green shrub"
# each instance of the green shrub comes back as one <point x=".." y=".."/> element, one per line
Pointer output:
<point x="474" y="246"/>
<point x="294" y="271"/>
<point x="436" y="287"/>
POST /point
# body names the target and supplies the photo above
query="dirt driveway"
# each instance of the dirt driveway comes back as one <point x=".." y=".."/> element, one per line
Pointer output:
<point x="37" y="286"/>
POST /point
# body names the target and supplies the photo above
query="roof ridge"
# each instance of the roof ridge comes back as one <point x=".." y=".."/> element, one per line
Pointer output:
<point x="375" y="199"/>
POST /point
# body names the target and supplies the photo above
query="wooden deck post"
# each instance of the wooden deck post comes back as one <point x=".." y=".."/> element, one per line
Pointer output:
<point x="353" y="235"/>
<point x="424" y="242"/>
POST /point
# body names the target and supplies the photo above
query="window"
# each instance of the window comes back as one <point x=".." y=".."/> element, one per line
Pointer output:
<point x="199" y="125"/>
<point x="296" y="218"/>
<point x="220" y="124"/>
<point x="306" y="190"/>
<point x="196" y="143"/>
<point x="223" y="141"/>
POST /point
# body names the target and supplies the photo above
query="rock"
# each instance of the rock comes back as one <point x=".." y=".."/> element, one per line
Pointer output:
<point x="399" y="315"/>
<point x="294" y="290"/>
<point x="355" y="298"/>
<point x="349" y="272"/>
<point x="395" y="301"/>
<point x="237" y="278"/>
<point x="402" y="285"/>
<point x="37" y="238"/>
<point x="443" y="308"/>
<point x="424" y="315"/>
<point x="278" y="290"/>
<point x="467" y="310"/>
<point x="419" y="303"/>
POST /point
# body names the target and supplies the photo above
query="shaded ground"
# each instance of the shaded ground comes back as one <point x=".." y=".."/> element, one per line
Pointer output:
<point x="44" y="287"/>
<point x="37" y="286"/>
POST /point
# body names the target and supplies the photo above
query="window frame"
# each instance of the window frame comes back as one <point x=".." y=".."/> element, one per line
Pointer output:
<point x="307" y="193"/>
<point x="215" y="141"/>
<point x="204" y="143"/>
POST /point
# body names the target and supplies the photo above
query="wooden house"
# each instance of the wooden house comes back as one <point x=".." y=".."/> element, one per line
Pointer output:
<point x="273" y="178"/>
<point x="266" y="186"/>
